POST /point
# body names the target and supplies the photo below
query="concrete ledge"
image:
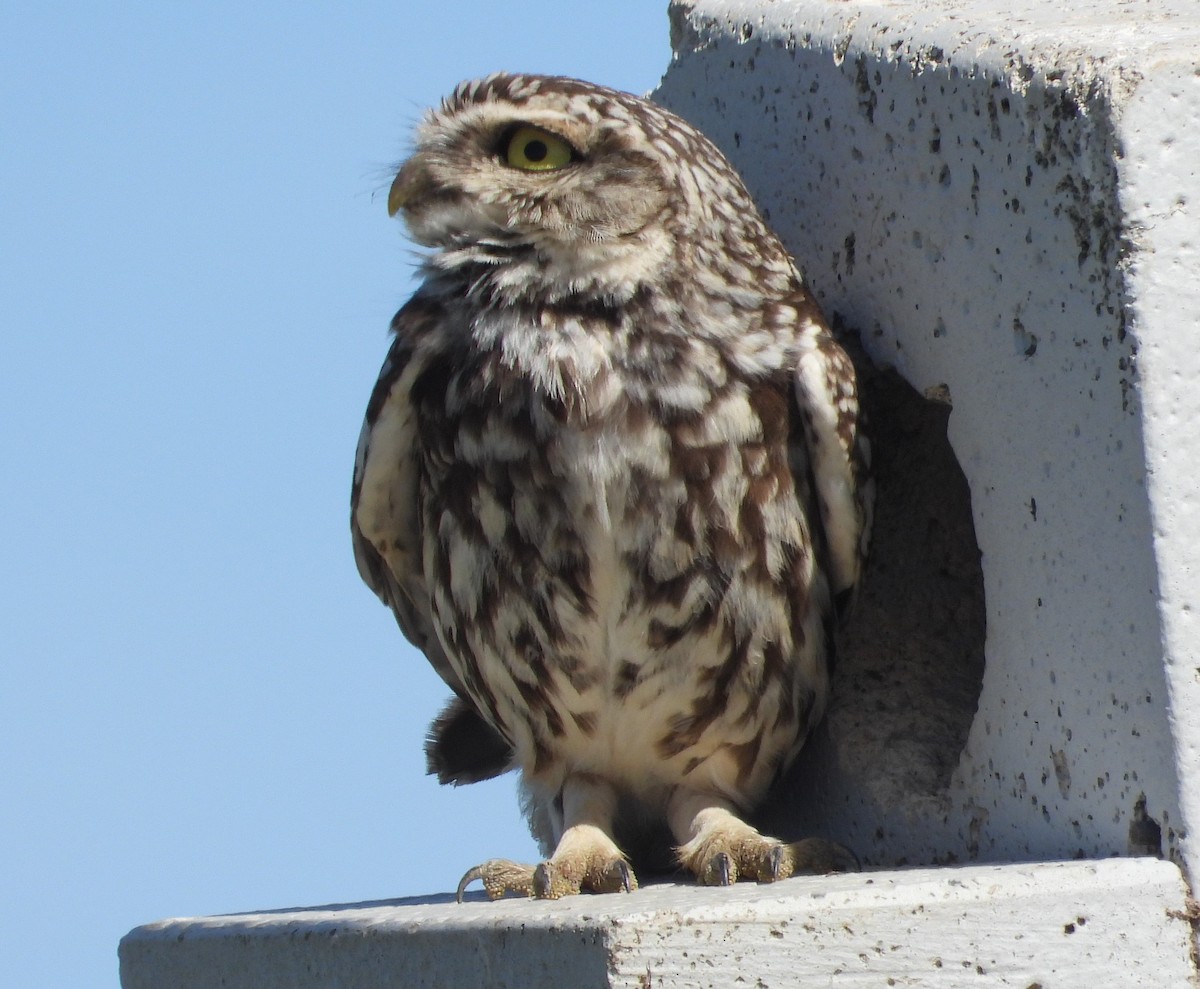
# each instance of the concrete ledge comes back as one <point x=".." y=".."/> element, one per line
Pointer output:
<point x="1062" y="925"/>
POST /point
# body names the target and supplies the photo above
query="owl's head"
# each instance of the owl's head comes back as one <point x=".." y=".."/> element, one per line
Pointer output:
<point x="573" y="187"/>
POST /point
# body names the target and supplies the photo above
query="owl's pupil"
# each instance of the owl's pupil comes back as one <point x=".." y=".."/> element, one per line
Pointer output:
<point x="536" y="150"/>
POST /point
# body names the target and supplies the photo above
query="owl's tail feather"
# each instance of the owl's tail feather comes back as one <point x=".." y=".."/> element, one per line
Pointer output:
<point x="463" y="748"/>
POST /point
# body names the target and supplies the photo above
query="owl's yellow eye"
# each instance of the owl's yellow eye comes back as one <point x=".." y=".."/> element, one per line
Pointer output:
<point x="535" y="150"/>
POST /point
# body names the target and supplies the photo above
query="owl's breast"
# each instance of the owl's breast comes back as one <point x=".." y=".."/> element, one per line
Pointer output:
<point x="606" y="587"/>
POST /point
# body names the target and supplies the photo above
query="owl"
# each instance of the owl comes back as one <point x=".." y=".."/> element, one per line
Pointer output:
<point x="611" y="482"/>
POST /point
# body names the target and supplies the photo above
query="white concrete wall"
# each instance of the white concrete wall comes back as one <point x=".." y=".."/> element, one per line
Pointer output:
<point x="1002" y="199"/>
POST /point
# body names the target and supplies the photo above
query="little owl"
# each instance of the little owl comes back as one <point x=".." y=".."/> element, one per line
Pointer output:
<point x="611" y="482"/>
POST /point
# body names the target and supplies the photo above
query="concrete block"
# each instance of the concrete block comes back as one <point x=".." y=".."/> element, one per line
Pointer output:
<point x="1062" y="925"/>
<point x="1002" y="200"/>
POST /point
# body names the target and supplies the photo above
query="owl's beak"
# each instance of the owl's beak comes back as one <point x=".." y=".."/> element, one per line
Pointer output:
<point x="408" y="185"/>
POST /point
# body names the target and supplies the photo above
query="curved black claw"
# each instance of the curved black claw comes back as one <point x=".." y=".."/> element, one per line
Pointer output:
<point x="549" y="882"/>
<point x="778" y="863"/>
<point x="625" y="874"/>
<point x="475" y="872"/>
<point x="499" y="877"/>
<point x="543" y="882"/>
<point x="720" y="871"/>
<point x="725" y="869"/>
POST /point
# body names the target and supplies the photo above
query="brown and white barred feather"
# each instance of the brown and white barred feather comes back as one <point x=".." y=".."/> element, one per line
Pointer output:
<point x="611" y="477"/>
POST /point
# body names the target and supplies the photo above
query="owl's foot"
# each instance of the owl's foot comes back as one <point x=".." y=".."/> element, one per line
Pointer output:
<point x="499" y="876"/>
<point x="565" y="877"/>
<point x="723" y="849"/>
<point x="586" y="860"/>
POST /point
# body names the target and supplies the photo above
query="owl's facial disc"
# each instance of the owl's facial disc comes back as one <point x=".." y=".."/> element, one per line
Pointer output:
<point x="570" y="195"/>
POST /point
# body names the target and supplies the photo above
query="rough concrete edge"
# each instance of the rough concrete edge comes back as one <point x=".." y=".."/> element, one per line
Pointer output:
<point x="656" y="901"/>
<point x="620" y="935"/>
<point x="1097" y="921"/>
<point x="1162" y="300"/>
<point x="863" y="29"/>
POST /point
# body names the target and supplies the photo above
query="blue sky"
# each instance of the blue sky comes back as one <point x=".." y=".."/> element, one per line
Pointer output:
<point x="202" y="709"/>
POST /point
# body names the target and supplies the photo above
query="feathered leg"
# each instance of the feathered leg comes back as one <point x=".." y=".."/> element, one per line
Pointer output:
<point x="586" y="857"/>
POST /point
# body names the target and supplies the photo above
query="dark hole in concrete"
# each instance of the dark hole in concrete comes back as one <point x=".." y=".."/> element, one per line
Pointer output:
<point x="910" y="661"/>
<point x="1145" y="833"/>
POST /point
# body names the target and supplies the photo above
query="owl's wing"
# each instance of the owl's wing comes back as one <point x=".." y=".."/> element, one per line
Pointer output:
<point x="840" y="455"/>
<point x="384" y="509"/>
<point x="385" y="525"/>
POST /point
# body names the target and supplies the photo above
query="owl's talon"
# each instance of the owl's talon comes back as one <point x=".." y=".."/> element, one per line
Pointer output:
<point x="720" y="871"/>
<point x="552" y="879"/>
<point x="726" y="871"/>
<point x="723" y="848"/>
<point x="625" y="876"/>
<point x="499" y="876"/>
<point x="777" y="862"/>
<point x="815" y="856"/>
<point x="544" y="882"/>
<point x="475" y="872"/>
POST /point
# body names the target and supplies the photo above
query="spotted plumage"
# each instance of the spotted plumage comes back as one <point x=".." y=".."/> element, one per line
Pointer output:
<point x="611" y="480"/>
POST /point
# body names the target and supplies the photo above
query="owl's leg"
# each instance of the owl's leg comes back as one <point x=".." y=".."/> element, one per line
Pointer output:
<point x="719" y="848"/>
<point x="586" y="857"/>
